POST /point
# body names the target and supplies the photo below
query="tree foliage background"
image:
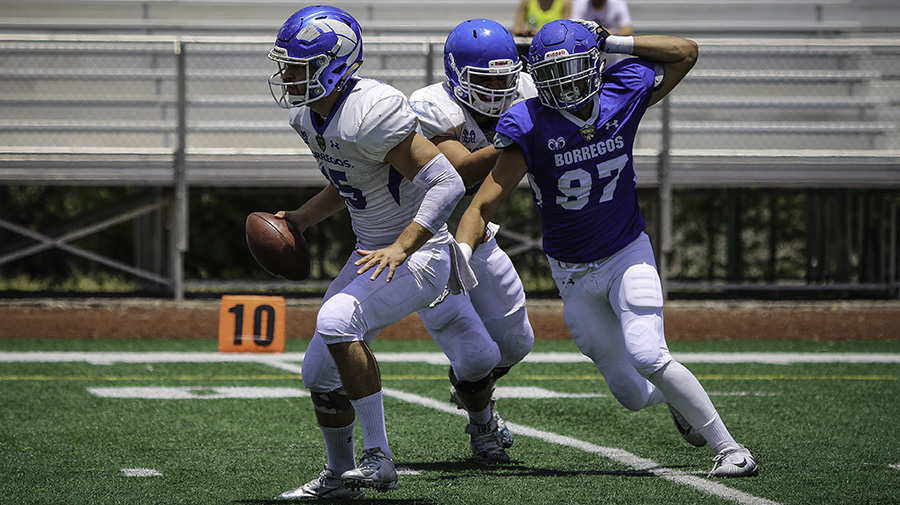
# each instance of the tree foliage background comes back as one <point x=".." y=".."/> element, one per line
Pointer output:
<point x="769" y="236"/>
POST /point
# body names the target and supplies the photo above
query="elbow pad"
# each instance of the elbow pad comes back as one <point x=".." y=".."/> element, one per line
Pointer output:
<point x="443" y="189"/>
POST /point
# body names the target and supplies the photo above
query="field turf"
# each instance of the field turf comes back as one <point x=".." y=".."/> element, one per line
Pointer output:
<point x="155" y="422"/>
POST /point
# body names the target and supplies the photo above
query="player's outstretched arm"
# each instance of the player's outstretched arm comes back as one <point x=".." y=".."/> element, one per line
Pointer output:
<point x="497" y="187"/>
<point x="676" y="54"/>
<point x="473" y="166"/>
<point x="417" y="159"/>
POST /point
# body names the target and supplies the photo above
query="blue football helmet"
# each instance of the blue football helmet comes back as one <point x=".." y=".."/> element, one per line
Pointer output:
<point x="566" y="64"/>
<point x="482" y="65"/>
<point x="326" y="42"/>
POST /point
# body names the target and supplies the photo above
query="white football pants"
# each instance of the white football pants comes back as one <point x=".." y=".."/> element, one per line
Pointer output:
<point x="357" y="308"/>
<point x="498" y="300"/>
<point x="613" y="309"/>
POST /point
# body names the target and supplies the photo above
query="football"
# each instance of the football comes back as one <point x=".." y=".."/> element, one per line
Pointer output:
<point x="277" y="246"/>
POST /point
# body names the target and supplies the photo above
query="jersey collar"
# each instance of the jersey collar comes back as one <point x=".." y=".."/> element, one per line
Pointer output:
<point x="321" y="125"/>
<point x="595" y="113"/>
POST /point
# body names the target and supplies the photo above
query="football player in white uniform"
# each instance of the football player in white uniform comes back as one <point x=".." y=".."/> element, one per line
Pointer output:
<point x="459" y="115"/>
<point x="399" y="190"/>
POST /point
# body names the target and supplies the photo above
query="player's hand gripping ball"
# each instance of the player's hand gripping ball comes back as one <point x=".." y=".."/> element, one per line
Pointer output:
<point x="277" y="246"/>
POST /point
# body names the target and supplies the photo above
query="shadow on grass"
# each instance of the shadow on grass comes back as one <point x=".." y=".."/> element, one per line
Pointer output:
<point x="449" y="470"/>
<point x="452" y="470"/>
<point x="377" y="500"/>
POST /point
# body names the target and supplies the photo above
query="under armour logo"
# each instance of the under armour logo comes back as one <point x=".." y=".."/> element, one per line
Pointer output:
<point x="612" y="124"/>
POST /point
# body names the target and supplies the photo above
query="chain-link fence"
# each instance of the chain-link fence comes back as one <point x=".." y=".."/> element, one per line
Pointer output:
<point x="776" y="164"/>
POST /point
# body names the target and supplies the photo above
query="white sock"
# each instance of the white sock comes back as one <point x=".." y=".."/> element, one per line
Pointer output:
<point x="339" y="448"/>
<point x="481" y="417"/>
<point x="370" y="411"/>
<point x="684" y="392"/>
<point x="717" y="435"/>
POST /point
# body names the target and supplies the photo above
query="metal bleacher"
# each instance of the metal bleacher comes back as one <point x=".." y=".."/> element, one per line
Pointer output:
<point x="172" y="94"/>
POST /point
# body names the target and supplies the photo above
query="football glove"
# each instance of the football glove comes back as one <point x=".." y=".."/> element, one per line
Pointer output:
<point x="595" y="28"/>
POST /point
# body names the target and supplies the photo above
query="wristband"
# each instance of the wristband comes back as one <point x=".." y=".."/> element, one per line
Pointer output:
<point x="619" y="44"/>
<point x="466" y="250"/>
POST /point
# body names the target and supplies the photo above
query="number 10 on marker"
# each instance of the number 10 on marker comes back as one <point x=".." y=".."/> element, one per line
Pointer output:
<point x="251" y="324"/>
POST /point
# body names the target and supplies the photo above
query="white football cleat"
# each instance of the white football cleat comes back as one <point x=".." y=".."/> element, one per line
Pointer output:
<point x="375" y="471"/>
<point x="325" y="487"/>
<point x="485" y="442"/>
<point x="733" y="462"/>
<point x="687" y="432"/>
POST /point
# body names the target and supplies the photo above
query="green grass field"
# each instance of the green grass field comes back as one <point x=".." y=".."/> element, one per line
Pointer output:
<point x="209" y="431"/>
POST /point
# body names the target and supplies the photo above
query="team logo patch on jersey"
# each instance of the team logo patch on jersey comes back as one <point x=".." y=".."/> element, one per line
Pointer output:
<point x="587" y="132"/>
<point x="320" y="140"/>
<point x="556" y="144"/>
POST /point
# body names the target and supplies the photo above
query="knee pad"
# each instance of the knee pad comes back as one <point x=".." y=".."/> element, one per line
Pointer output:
<point x="470" y="386"/>
<point x="641" y="292"/>
<point x="332" y="402"/>
<point x="643" y="341"/>
<point x="339" y="320"/>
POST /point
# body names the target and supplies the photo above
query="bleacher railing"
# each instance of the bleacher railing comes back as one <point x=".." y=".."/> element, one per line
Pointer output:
<point x="179" y="112"/>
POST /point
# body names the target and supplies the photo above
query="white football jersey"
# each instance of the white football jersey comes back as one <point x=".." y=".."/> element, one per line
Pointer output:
<point x="442" y="115"/>
<point x="350" y="146"/>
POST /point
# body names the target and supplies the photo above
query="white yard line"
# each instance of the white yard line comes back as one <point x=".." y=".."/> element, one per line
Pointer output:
<point x="618" y="455"/>
<point x="435" y="358"/>
<point x="141" y="472"/>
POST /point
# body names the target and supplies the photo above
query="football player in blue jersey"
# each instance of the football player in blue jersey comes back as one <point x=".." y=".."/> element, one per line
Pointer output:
<point x="574" y="142"/>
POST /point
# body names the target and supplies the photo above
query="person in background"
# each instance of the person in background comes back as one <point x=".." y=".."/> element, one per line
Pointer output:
<point x="533" y="14"/>
<point x="612" y="15"/>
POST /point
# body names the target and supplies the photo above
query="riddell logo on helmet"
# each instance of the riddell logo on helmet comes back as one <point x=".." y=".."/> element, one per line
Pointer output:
<point x="500" y="63"/>
<point x="555" y="54"/>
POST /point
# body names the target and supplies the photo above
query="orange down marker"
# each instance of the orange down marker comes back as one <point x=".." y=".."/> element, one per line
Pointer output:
<point x="251" y="324"/>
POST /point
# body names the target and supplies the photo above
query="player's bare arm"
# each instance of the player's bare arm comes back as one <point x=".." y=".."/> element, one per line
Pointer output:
<point x="676" y="54"/>
<point x="315" y="210"/>
<point x="473" y="167"/>
<point x="409" y="157"/>
<point x="499" y="184"/>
